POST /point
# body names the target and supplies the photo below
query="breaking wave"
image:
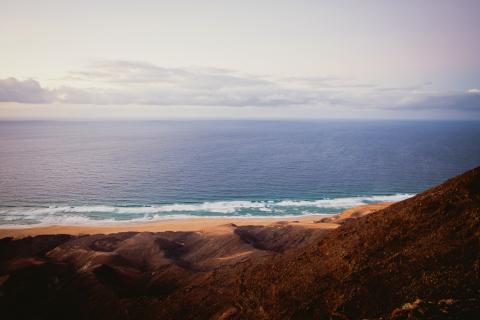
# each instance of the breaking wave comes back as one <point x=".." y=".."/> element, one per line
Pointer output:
<point x="107" y="214"/>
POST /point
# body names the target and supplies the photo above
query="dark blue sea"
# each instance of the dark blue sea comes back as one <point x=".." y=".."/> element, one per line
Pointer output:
<point x="114" y="172"/>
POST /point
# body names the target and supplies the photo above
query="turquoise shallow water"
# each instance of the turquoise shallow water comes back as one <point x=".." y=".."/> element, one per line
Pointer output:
<point x="112" y="172"/>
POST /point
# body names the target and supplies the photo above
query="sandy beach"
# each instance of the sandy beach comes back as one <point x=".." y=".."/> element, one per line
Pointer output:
<point x="203" y="225"/>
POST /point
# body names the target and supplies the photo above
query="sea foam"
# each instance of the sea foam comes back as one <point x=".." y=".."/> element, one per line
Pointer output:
<point x="108" y="214"/>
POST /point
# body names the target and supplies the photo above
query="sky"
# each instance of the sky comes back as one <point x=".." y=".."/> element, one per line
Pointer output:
<point x="371" y="59"/>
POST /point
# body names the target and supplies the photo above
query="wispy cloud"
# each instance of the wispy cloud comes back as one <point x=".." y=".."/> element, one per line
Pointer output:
<point x="127" y="82"/>
<point x="140" y="83"/>
<point x="463" y="102"/>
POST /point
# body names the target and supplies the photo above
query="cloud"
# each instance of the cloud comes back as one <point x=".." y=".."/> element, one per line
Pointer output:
<point x="464" y="102"/>
<point x="127" y="82"/>
<point x="140" y="83"/>
<point x="141" y="73"/>
<point x="26" y="91"/>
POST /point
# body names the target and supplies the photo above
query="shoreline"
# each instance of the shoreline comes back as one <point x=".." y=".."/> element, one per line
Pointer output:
<point x="200" y="224"/>
<point x="415" y="258"/>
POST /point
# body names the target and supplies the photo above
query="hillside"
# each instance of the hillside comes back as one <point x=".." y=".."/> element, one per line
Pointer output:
<point x="426" y="247"/>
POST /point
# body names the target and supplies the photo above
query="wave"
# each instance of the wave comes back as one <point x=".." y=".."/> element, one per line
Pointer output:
<point x="108" y="214"/>
<point x="345" y="203"/>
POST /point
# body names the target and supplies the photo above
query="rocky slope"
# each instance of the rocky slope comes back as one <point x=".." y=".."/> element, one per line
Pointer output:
<point x="416" y="259"/>
<point x="426" y="247"/>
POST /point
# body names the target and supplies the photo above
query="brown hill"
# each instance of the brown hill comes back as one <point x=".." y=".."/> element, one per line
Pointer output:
<point x="416" y="259"/>
<point x="426" y="247"/>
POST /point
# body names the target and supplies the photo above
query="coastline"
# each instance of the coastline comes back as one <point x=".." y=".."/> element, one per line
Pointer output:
<point x="202" y="225"/>
<point x="416" y="258"/>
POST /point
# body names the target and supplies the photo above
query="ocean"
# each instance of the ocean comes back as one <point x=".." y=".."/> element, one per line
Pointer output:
<point x="119" y="172"/>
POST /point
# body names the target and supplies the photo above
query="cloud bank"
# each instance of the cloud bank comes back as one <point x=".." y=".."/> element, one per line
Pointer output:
<point x="27" y="91"/>
<point x="139" y="83"/>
